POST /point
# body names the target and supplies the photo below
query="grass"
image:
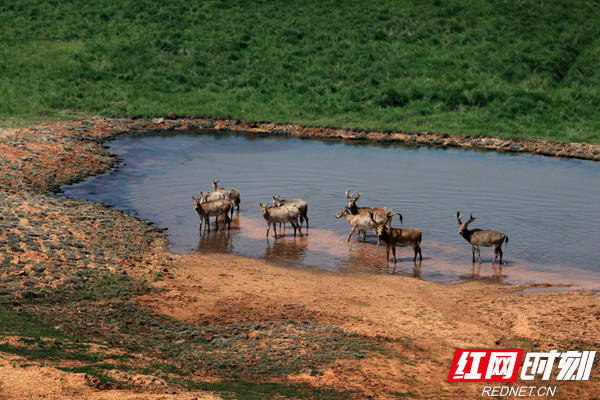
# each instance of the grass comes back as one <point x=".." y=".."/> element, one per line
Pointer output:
<point x="268" y="390"/>
<point x="519" y="68"/>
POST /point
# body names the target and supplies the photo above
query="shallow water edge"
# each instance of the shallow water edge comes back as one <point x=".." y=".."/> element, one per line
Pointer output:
<point x="448" y="261"/>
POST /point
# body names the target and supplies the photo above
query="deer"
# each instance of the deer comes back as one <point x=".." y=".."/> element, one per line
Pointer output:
<point x="380" y="213"/>
<point x="480" y="237"/>
<point x="397" y="236"/>
<point x="358" y="222"/>
<point x="205" y="196"/>
<point x="233" y="194"/>
<point x="205" y="209"/>
<point x="281" y="214"/>
<point x="300" y="204"/>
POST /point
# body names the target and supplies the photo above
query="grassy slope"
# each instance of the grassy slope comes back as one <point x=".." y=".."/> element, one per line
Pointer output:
<point x="519" y="68"/>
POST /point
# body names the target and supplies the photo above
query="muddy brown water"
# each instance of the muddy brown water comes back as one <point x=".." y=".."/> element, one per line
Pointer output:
<point x="548" y="207"/>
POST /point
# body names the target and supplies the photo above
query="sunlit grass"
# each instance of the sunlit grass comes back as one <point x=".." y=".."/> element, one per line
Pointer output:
<point x="510" y="68"/>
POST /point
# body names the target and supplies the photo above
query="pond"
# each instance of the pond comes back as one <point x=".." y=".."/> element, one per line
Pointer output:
<point x="548" y="207"/>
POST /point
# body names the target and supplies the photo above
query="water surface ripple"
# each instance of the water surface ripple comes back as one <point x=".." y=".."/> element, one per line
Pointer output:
<point x="548" y="207"/>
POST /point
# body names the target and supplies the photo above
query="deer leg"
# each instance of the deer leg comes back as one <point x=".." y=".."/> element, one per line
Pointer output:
<point x="479" y="254"/>
<point x="299" y="228"/>
<point x="473" y="250"/>
<point x="495" y="255"/>
<point x="294" y="225"/>
<point x="501" y="253"/>
<point x="207" y="222"/>
<point x="275" y="230"/>
<point x="229" y="220"/>
<point x="394" y="252"/>
<point x="351" y="232"/>
<point x="364" y="232"/>
<point x="420" y="254"/>
<point x="217" y="222"/>
<point x="268" y="228"/>
<point x="387" y="253"/>
<point x="306" y="218"/>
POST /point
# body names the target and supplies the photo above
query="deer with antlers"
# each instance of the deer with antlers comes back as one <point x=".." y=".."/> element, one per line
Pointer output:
<point x="397" y="236"/>
<point x="480" y="237"/>
<point x="380" y="214"/>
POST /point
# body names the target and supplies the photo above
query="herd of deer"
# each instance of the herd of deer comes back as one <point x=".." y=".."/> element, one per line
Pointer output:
<point x="221" y="202"/>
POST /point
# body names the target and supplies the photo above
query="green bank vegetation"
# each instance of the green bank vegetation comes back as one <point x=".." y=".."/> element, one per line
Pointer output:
<point x="514" y="68"/>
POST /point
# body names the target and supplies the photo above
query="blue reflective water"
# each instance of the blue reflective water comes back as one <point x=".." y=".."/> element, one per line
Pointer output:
<point x="548" y="207"/>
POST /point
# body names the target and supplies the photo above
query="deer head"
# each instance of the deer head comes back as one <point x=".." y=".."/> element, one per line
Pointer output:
<point x="264" y="208"/>
<point x="276" y="201"/>
<point x="351" y="201"/>
<point x="344" y="211"/>
<point x="463" y="228"/>
<point x="380" y="226"/>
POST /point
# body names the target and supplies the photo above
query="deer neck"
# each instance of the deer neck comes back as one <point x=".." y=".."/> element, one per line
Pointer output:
<point x="467" y="234"/>
<point x="384" y="235"/>
<point x="353" y="209"/>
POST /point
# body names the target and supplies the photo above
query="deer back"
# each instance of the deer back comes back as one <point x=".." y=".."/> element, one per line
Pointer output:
<point x="411" y="235"/>
<point x="298" y="203"/>
<point x="282" y="213"/>
<point x="213" y="207"/>
<point x="486" y="237"/>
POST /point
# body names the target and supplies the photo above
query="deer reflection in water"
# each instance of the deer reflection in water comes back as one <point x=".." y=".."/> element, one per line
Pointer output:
<point x="416" y="271"/>
<point x="220" y="241"/>
<point x="496" y="276"/>
<point x="293" y="249"/>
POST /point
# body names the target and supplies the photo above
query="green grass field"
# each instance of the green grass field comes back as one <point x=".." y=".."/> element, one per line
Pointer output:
<point x="513" y="68"/>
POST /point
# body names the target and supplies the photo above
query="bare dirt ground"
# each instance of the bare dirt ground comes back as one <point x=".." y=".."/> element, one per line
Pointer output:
<point x="421" y="322"/>
<point x="379" y="336"/>
<point x="40" y="382"/>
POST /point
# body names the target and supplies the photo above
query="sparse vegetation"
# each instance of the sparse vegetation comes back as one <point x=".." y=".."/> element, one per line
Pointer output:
<point x="509" y="68"/>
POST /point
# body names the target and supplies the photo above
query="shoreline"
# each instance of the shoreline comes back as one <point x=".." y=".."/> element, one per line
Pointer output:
<point x="98" y="274"/>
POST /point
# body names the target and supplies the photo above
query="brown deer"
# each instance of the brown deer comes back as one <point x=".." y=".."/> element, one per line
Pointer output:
<point x="300" y="204"/>
<point x="397" y="236"/>
<point x="480" y="237"/>
<point x="233" y="194"/>
<point x="205" y="209"/>
<point x="379" y="213"/>
<point x="282" y="214"/>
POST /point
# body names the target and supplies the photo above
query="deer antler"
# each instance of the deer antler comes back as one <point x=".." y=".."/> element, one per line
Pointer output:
<point x="348" y="194"/>
<point x="357" y="196"/>
<point x="458" y="217"/>
<point x="471" y="219"/>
